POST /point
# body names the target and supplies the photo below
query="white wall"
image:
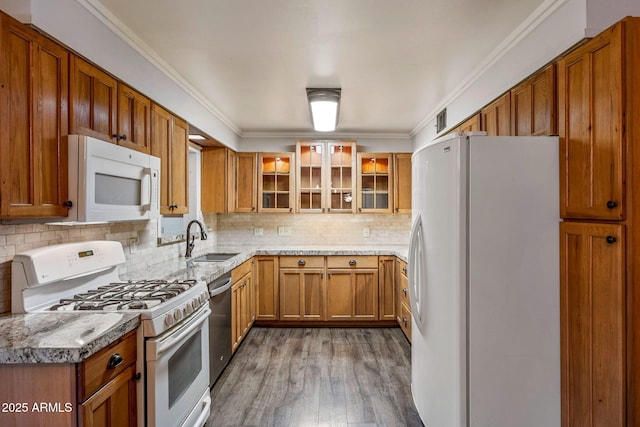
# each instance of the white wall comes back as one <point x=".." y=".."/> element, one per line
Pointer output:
<point x="72" y="24"/>
<point x="556" y="26"/>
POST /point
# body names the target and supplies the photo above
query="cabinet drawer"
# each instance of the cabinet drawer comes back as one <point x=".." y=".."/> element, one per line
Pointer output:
<point x="241" y="270"/>
<point x="352" y="261"/>
<point x="96" y="371"/>
<point x="405" y="320"/>
<point x="301" y="261"/>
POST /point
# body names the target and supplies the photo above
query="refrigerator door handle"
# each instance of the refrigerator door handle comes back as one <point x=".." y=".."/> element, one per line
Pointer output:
<point x="417" y="265"/>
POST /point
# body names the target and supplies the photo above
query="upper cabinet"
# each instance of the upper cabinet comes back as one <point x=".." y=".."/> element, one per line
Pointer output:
<point x="93" y="106"/>
<point x="591" y="128"/>
<point x="134" y="119"/>
<point x="496" y="117"/>
<point x="275" y="182"/>
<point x="245" y="189"/>
<point x="533" y="104"/>
<point x="170" y="142"/>
<point x="375" y="174"/>
<point x="34" y="118"/>
<point x="326" y="176"/>
<point x="402" y="182"/>
<point x="229" y="181"/>
<point x="472" y="124"/>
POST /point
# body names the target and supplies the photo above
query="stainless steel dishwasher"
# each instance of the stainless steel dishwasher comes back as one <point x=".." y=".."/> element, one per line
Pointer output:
<point x="219" y="326"/>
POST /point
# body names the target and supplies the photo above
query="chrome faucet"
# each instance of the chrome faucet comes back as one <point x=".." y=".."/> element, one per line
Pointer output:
<point x="191" y="240"/>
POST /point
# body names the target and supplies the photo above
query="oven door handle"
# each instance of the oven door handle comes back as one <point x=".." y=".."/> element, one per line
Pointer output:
<point x="176" y="337"/>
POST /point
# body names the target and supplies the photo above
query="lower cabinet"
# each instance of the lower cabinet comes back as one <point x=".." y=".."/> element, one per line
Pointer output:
<point x="302" y="288"/>
<point x="387" y="288"/>
<point x="243" y="302"/>
<point x="267" y="289"/>
<point x="403" y="306"/>
<point x="352" y="288"/>
<point x="593" y="324"/>
<point x="100" y="391"/>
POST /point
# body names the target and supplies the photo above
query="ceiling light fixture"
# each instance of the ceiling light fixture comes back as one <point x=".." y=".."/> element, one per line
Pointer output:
<point x="324" y="105"/>
<point x="196" y="137"/>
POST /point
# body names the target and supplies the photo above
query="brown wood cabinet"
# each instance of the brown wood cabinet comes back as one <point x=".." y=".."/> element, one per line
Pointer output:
<point x="276" y="178"/>
<point x="134" y="119"/>
<point x="243" y="302"/>
<point x="387" y="288"/>
<point x="403" y="306"/>
<point x="34" y="118"/>
<point x="533" y="104"/>
<point x="375" y="182"/>
<point x="326" y="180"/>
<point x="496" y="117"/>
<point x="217" y="180"/>
<point x="402" y="182"/>
<point x="170" y="142"/>
<point x="245" y="190"/>
<point x="472" y="124"/>
<point x="592" y="310"/>
<point x="267" y="289"/>
<point x="93" y="101"/>
<point x="302" y="288"/>
<point x="86" y="394"/>
<point x="352" y="288"/>
<point x="591" y="103"/>
<point x="598" y="129"/>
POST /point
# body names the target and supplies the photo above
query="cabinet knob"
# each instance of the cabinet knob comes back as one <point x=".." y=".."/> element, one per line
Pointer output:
<point x="114" y="361"/>
<point x="405" y="320"/>
<point x="404" y="270"/>
<point x="611" y="204"/>
<point x="68" y="204"/>
<point x="397" y="209"/>
<point x="352" y="262"/>
<point x="137" y="376"/>
<point x="611" y="239"/>
<point x="404" y="291"/>
<point x="301" y="262"/>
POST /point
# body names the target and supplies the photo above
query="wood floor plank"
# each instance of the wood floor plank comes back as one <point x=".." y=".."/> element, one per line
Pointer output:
<point x="313" y="377"/>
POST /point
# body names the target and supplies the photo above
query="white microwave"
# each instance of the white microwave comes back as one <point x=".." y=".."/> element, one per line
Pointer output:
<point x="108" y="182"/>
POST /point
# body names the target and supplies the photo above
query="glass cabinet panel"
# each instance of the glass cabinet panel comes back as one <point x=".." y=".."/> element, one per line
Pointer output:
<point x="326" y="176"/>
<point x="275" y="183"/>
<point x="374" y="192"/>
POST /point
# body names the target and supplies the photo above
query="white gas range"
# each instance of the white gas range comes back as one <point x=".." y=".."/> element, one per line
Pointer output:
<point x="173" y="338"/>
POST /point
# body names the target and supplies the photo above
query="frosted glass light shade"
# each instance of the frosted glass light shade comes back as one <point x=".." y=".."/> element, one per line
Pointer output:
<point x="324" y="106"/>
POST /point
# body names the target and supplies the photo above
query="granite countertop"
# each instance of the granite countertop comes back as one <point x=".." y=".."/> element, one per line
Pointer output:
<point x="71" y="337"/>
<point x="60" y="337"/>
<point x="183" y="268"/>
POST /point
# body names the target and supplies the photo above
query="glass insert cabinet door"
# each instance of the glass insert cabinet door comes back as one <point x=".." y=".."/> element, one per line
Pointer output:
<point x="326" y="171"/>
<point x="374" y="178"/>
<point x="275" y="182"/>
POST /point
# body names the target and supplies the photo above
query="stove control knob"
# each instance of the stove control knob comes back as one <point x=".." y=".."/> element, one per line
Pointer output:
<point x="203" y="297"/>
<point x="188" y="308"/>
<point x="195" y="303"/>
<point x="169" y="320"/>
<point x="177" y="314"/>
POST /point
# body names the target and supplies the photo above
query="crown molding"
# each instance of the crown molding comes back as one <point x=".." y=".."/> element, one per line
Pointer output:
<point x="525" y="28"/>
<point x="97" y="9"/>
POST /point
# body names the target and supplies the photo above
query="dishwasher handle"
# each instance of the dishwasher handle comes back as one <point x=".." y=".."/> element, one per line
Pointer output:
<point x="220" y="289"/>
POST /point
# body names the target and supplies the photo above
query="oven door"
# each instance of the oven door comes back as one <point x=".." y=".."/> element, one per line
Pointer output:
<point x="177" y="369"/>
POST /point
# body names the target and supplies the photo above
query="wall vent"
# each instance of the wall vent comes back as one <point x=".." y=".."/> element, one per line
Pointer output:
<point x="441" y="120"/>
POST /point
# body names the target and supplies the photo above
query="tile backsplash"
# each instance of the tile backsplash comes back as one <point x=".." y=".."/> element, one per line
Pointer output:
<point x="223" y="229"/>
<point x="266" y="229"/>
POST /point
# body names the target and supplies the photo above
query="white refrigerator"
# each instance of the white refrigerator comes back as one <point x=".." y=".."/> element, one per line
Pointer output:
<point x="484" y="282"/>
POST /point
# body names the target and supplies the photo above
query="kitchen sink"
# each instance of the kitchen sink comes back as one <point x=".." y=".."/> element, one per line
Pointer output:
<point x="213" y="257"/>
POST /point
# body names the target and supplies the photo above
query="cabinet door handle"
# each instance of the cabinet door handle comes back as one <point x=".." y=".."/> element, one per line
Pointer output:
<point x="114" y="361"/>
<point x="404" y="269"/>
<point x="611" y="239"/>
<point x="321" y="275"/>
<point x="328" y="275"/>
<point x="352" y="262"/>
<point x="612" y="204"/>
<point x="404" y="291"/>
<point x="405" y="320"/>
<point x="301" y="262"/>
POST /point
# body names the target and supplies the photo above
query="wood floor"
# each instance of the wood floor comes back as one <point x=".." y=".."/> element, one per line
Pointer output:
<point x="307" y="377"/>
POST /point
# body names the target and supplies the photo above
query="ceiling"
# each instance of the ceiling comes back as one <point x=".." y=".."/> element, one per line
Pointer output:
<point x="395" y="60"/>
